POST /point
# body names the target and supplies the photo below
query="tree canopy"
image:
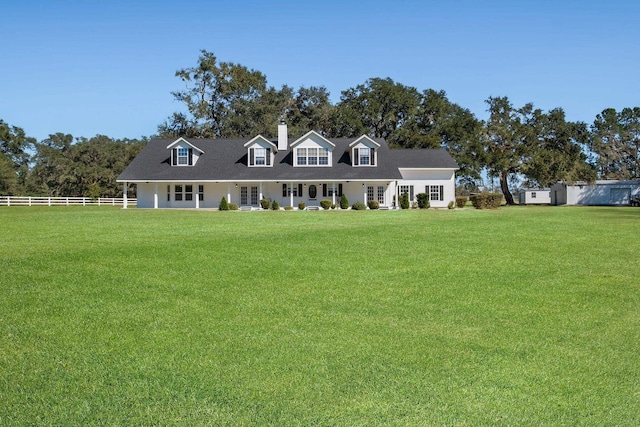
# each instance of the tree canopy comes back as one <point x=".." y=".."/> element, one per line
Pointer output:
<point x="227" y="100"/>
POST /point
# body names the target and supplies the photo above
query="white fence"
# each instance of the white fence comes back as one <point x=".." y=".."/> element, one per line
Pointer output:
<point x="63" y="201"/>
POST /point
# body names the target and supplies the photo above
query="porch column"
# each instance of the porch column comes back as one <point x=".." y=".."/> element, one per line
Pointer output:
<point x="364" y="191"/>
<point x="397" y="196"/>
<point x="155" y="196"/>
<point x="334" y="192"/>
<point x="124" y="196"/>
<point x="260" y="195"/>
<point x="228" y="192"/>
<point x="291" y="193"/>
<point x="197" y="196"/>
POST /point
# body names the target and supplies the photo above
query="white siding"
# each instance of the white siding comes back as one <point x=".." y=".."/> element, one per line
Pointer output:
<point x="605" y="192"/>
<point x="542" y="197"/>
<point x="421" y="178"/>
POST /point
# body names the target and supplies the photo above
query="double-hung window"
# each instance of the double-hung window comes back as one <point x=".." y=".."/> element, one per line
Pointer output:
<point x="407" y="189"/>
<point x="364" y="156"/>
<point x="183" y="156"/>
<point x="302" y="156"/>
<point x="436" y="192"/>
<point x="178" y="193"/>
<point x="188" y="192"/>
<point x="323" y="156"/>
<point x="370" y="192"/>
<point x="312" y="156"/>
<point x="261" y="156"/>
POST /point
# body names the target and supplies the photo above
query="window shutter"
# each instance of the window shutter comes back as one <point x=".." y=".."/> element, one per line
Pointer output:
<point x="355" y="156"/>
<point x="442" y="192"/>
<point x="284" y="190"/>
<point x="174" y="157"/>
<point x="339" y="190"/>
<point x="373" y="157"/>
<point x="190" y="156"/>
<point x="268" y="156"/>
<point x="251" y="157"/>
<point x="324" y="190"/>
<point x="299" y="190"/>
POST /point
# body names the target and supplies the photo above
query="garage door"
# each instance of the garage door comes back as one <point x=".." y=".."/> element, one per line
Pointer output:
<point x="620" y="196"/>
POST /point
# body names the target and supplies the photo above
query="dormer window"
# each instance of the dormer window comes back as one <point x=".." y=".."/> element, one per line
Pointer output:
<point x="312" y="150"/>
<point x="364" y="151"/>
<point x="182" y="156"/>
<point x="183" y="153"/>
<point x="364" y="156"/>
<point x="259" y="156"/>
<point x="312" y="156"/>
<point x="261" y="152"/>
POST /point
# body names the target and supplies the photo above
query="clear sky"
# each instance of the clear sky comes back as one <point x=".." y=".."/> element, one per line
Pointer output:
<point x="88" y="67"/>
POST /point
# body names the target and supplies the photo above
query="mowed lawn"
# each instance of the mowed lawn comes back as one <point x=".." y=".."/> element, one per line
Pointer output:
<point x="520" y="316"/>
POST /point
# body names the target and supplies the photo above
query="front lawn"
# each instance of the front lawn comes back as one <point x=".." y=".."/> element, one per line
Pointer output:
<point x="520" y="316"/>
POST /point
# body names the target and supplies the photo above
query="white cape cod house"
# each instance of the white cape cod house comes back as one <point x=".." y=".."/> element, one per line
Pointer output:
<point x="197" y="173"/>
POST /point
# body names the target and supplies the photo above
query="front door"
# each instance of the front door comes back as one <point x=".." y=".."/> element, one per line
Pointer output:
<point x="313" y="192"/>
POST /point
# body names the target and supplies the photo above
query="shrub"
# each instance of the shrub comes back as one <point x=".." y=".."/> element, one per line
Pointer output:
<point x="359" y="206"/>
<point x="301" y="206"/>
<point x="373" y="204"/>
<point x="325" y="204"/>
<point x="224" y="206"/>
<point x="288" y="208"/>
<point x="264" y="203"/>
<point x="404" y="200"/>
<point x="233" y="207"/>
<point x="486" y="200"/>
<point x="461" y="201"/>
<point x="423" y="200"/>
<point x="344" y="202"/>
<point x="275" y="205"/>
<point x="451" y="204"/>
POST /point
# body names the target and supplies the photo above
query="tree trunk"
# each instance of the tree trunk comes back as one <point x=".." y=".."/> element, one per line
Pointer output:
<point x="505" y="188"/>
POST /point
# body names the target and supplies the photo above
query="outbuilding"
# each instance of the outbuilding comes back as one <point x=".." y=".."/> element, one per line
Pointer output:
<point x="600" y="193"/>
<point x="533" y="196"/>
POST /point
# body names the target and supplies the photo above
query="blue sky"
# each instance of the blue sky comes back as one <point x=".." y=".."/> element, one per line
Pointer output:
<point x="108" y="67"/>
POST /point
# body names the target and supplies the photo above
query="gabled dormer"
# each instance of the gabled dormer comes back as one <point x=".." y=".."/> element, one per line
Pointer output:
<point x="313" y="150"/>
<point x="184" y="153"/>
<point x="364" y="152"/>
<point x="260" y="152"/>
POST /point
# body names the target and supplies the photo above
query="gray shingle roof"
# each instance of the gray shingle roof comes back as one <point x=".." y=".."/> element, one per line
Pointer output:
<point x="226" y="160"/>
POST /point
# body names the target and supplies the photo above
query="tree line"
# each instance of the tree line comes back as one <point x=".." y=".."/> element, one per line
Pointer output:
<point x="516" y="144"/>
<point x="62" y="165"/>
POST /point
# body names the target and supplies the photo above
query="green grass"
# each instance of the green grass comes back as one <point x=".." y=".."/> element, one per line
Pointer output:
<point x="521" y="316"/>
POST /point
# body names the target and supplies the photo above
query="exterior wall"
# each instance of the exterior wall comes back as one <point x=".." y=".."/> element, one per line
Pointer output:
<point x="542" y="197"/>
<point x="213" y="193"/>
<point x="420" y="179"/>
<point x="603" y="193"/>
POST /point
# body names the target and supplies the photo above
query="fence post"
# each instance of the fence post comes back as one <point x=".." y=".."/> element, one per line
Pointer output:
<point x="29" y="200"/>
<point x="8" y="200"/>
<point x="67" y="201"/>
